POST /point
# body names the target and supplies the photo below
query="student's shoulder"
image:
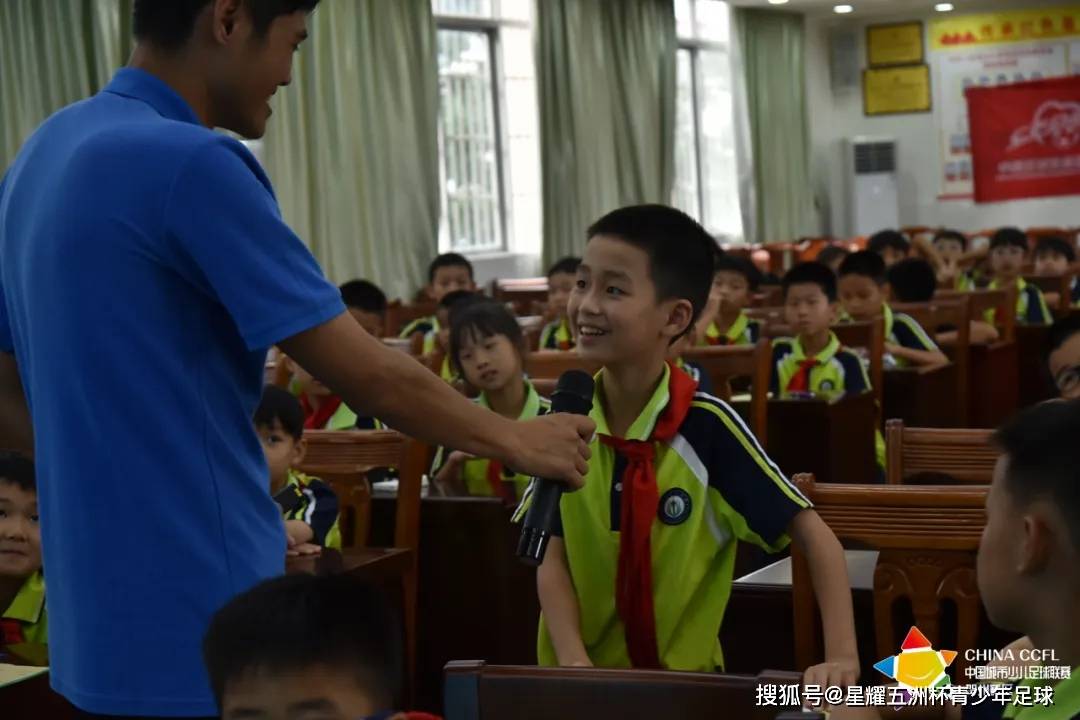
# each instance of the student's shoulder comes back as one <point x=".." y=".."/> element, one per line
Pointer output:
<point x="849" y="361"/>
<point x="711" y="425"/>
<point x="782" y="346"/>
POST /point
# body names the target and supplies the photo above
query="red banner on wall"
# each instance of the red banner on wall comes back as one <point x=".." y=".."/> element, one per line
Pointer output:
<point x="1025" y="139"/>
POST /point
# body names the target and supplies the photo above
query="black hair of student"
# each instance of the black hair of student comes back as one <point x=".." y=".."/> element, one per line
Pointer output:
<point x="1056" y="245"/>
<point x="830" y="253"/>
<point x="1061" y="331"/>
<point x="363" y="295"/>
<point x="811" y="273"/>
<point x="448" y="260"/>
<point x="298" y="622"/>
<point x="912" y="281"/>
<point x="478" y="321"/>
<point x="681" y="252"/>
<point x="1043" y="458"/>
<point x="564" y="266"/>
<point x="1009" y="236"/>
<point x="18" y="470"/>
<point x="452" y="299"/>
<point x="888" y="239"/>
<point x="281" y="405"/>
<point x="952" y="235"/>
<point x="168" y="24"/>
<point x="726" y="262"/>
<point x="865" y="263"/>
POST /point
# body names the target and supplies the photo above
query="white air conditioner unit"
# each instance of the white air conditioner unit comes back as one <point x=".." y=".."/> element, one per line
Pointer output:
<point x="873" y="200"/>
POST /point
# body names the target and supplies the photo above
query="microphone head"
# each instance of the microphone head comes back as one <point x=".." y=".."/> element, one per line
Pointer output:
<point x="573" y="393"/>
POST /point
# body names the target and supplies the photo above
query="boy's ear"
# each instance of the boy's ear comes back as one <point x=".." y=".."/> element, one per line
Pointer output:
<point x="1040" y="535"/>
<point x="299" y="452"/>
<point x="679" y="318"/>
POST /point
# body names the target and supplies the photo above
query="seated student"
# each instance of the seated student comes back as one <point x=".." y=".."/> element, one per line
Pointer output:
<point x="951" y="247"/>
<point x="862" y="294"/>
<point x="367" y="304"/>
<point x="832" y="256"/>
<point x="1063" y="358"/>
<point x="447" y="273"/>
<point x="1054" y="256"/>
<point x="640" y="568"/>
<point x="437" y="340"/>
<point x="1008" y="248"/>
<point x="22" y="585"/>
<point x="302" y="646"/>
<point x="813" y="363"/>
<point x="894" y="246"/>
<point x="734" y="279"/>
<point x="556" y="334"/>
<point x="322" y="409"/>
<point x="487" y="345"/>
<point x="913" y="281"/>
<point x="309" y="506"/>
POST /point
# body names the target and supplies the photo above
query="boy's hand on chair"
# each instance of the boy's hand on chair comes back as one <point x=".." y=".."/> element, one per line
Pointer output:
<point x="841" y="672"/>
<point x="553" y="446"/>
<point x="302" y="549"/>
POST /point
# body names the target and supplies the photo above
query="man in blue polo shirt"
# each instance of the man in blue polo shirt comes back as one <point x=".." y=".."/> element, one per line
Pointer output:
<point x="144" y="272"/>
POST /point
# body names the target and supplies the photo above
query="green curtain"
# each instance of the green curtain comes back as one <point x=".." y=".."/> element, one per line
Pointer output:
<point x="53" y="53"/>
<point x="606" y="86"/>
<point x="352" y="147"/>
<point x="774" y="59"/>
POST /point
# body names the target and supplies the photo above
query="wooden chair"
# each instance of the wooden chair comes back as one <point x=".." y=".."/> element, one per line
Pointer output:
<point x="521" y="293"/>
<point x="553" y="363"/>
<point x="749" y="361"/>
<point x="771" y="318"/>
<point x="768" y="296"/>
<point x="1004" y="301"/>
<point x="344" y="458"/>
<point x="948" y="313"/>
<point x="965" y="456"/>
<point x="1060" y="285"/>
<point x="399" y="315"/>
<point x="475" y="691"/>
<point x="870" y="336"/>
<point x="927" y="537"/>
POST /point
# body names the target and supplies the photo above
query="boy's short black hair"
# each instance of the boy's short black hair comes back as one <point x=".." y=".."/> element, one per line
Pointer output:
<point x="1044" y="458"/>
<point x="452" y="299"/>
<point x="564" y="266"/>
<point x="18" y="470"/>
<point x="912" y="280"/>
<point x="281" y="405"/>
<point x="952" y="235"/>
<point x="302" y="621"/>
<point x="167" y="24"/>
<point x="865" y="263"/>
<point x="1056" y="246"/>
<point x="680" y="251"/>
<point x="830" y="253"/>
<point x="1009" y="236"/>
<point x="1061" y="331"/>
<point x="888" y="239"/>
<point x="811" y="273"/>
<point x="364" y="295"/>
<point x="727" y="262"/>
<point x="480" y="320"/>
<point x="448" y="260"/>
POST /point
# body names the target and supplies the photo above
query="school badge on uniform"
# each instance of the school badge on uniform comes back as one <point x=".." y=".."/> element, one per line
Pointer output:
<point x="675" y="506"/>
<point x="827" y="385"/>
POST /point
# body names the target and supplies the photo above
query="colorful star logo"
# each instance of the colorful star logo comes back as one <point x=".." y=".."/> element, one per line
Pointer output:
<point x="918" y="665"/>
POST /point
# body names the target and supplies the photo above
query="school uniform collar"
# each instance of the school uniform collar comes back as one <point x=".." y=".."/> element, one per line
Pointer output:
<point x="297" y="479"/>
<point x="1021" y="284"/>
<point x="642" y="427"/>
<point x="529" y="410"/>
<point x="29" y="601"/>
<point x="822" y="357"/>
<point x="887" y="313"/>
<point x="138" y="84"/>
<point x="734" y="332"/>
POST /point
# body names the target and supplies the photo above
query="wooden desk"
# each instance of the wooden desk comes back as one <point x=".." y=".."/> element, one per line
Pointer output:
<point x="994" y="393"/>
<point x="922" y="396"/>
<point x="374" y="564"/>
<point x="1035" y="384"/>
<point x="33" y="697"/>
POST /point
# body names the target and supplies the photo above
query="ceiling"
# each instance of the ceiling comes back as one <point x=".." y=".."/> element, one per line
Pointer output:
<point x="865" y="8"/>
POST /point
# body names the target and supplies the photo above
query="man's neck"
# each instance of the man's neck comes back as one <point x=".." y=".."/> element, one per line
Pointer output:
<point x="9" y="588"/>
<point x="626" y="390"/>
<point x="175" y="70"/>
<point x="508" y="400"/>
<point x="812" y="345"/>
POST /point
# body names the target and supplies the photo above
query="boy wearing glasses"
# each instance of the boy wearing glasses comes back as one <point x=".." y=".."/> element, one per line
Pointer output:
<point x="1064" y="356"/>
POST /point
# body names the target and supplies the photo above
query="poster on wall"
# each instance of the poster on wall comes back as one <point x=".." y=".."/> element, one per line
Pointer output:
<point x="992" y="50"/>
<point x="1025" y="139"/>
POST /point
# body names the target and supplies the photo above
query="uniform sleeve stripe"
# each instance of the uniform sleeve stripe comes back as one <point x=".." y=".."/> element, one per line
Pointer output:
<point x="746" y="438"/>
<point x="908" y="323"/>
<point x="682" y="447"/>
<point x="309" y="511"/>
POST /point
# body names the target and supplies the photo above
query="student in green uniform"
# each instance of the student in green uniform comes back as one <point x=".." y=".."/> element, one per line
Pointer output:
<point x="913" y="281"/>
<point x="308" y="506"/>
<point x="556" y="334"/>
<point x="487" y="345"/>
<point x="1008" y="249"/>
<point x="813" y="363"/>
<point x="366" y="302"/>
<point x="1055" y="256"/>
<point x="951" y="247"/>
<point x="640" y="568"/>
<point x="322" y="408"/>
<point x="447" y="273"/>
<point x="22" y="585"/>
<point x="734" y="279"/>
<point x="437" y="340"/>
<point x="863" y="296"/>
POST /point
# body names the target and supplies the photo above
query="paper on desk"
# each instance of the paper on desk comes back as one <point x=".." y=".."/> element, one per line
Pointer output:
<point x="11" y="674"/>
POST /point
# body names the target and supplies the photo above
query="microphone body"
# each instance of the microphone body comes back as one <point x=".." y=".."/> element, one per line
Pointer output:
<point x="573" y="394"/>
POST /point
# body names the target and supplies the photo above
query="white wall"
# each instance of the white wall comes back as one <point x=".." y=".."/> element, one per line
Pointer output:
<point x="834" y="117"/>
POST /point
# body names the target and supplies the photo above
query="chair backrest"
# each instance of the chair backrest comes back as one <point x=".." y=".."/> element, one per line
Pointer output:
<point x="964" y="455"/>
<point x="869" y="336"/>
<point x="399" y="315"/>
<point x="952" y="313"/>
<point x="521" y="293"/>
<point x="1003" y="301"/>
<point x="1061" y="285"/>
<point x="553" y="363"/>
<point x="747" y="361"/>
<point x="927" y="537"/>
<point x="770" y="316"/>
<point x="345" y="457"/>
<point x="768" y="296"/>
<point x="475" y="691"/>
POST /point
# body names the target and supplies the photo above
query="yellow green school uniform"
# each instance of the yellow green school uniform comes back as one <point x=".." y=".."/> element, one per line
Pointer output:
<point x="25" y="620"/>
<point x="1031" y="306"/>
<point x="312" y="501"/>
<point x="420" y="325"/>
<point x="556" y="336"/>
<point x="965" y="282"/>
<point x="716" y="486"/>
<point x="835" y="371"/>
<point x="902" y="330"/>
<point x="487" y="478"/>
<point x="446" y="370"/>
<point x="743" y="331"/>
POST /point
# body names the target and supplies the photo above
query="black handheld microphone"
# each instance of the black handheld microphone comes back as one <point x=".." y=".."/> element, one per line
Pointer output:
<point x="573" y="394"/>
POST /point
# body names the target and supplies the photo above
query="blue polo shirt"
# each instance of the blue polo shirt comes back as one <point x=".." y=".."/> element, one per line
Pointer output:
<point x="144" y="271"/>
